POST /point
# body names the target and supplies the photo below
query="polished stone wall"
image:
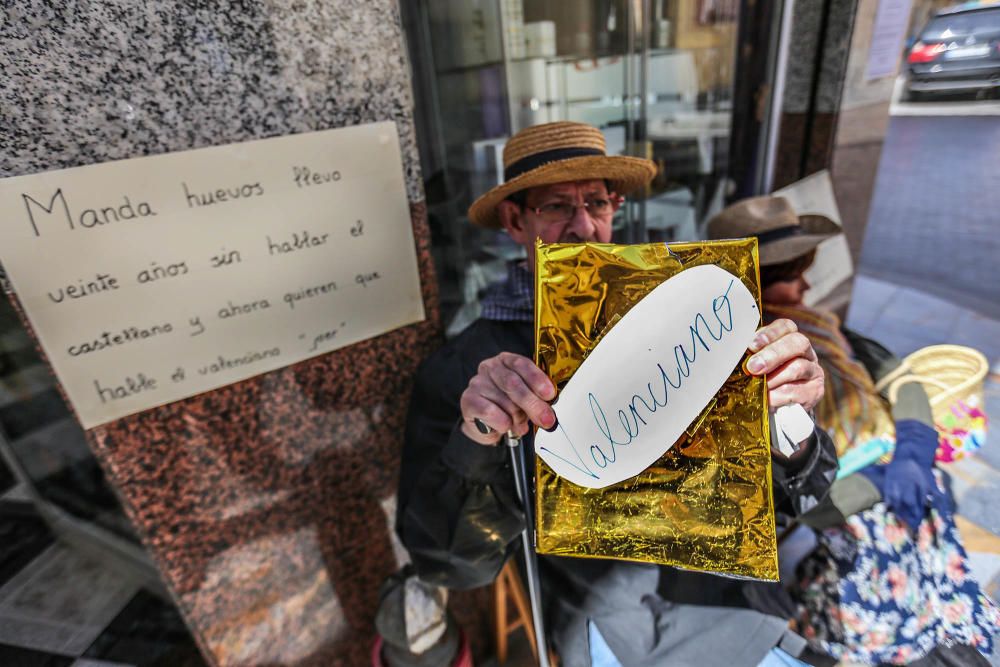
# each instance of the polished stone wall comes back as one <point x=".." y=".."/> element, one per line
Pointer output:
<point x="267" y="505"/>
<point x="818" y="49"/>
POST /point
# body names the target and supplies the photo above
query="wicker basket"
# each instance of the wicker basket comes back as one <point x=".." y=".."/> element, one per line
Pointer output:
<point x="952" y="376"/>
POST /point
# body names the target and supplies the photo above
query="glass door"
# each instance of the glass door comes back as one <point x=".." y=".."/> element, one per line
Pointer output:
<point x="656" y="76"/>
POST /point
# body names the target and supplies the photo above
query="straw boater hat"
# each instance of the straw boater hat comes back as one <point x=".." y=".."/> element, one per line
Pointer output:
<point x="782" y="234"/>
<point x="557" y="153"/>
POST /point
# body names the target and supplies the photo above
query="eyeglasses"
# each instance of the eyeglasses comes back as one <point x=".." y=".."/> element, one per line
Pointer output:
<point x="598" y="207"/>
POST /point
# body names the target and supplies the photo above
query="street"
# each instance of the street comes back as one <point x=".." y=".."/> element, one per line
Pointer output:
<point x="935" y="216"/>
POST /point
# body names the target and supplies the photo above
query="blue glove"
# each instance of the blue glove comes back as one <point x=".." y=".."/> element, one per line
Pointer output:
<point x="907" y="480"/>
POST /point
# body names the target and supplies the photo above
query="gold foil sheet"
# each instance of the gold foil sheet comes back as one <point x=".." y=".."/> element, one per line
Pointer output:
<point x="706" y="504"/>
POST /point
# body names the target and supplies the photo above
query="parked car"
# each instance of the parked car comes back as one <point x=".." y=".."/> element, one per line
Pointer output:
<point x="957" y="51"/>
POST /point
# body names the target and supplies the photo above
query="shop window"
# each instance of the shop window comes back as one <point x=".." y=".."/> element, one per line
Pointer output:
<point x="658" y="85"/>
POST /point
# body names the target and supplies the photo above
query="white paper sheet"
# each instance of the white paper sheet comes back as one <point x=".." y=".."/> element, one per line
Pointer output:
<point x="153" y="279"/>
<point x="792" y="425"/>
<point x="650" y="377"/>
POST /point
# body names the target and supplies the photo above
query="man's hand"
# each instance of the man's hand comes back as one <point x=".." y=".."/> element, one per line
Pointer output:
<point x="508" y="391"/>
<point x="787" y="359"/>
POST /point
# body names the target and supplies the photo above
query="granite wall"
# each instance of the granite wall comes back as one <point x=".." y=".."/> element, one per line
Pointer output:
<point x="819" y="44"/>
<point x="267" y="505"/>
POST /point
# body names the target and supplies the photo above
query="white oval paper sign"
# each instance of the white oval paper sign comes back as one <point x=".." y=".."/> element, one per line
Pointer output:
<point x="649" y="377"/>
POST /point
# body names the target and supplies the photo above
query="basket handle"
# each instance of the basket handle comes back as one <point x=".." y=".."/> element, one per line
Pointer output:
<point x="891" y="377"/>
<point x="899" y="382"/>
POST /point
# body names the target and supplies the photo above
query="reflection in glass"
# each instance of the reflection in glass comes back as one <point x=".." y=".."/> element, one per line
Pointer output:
<point x="297" y="613"/>
<point x="44" y="439"/>
<point x="658" y="85"/>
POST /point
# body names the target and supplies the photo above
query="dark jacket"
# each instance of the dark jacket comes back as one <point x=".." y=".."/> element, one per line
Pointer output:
<point x="459" y="517"/>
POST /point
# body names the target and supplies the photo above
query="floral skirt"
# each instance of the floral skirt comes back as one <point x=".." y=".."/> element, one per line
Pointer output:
<point x="873" y="593"/>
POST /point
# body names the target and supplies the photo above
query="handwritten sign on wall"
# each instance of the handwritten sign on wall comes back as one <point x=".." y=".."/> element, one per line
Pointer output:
<point x="153" y="279"/>
<point x="649" y="377"/>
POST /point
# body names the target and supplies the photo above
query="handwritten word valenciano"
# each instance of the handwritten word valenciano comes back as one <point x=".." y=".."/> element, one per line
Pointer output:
<point x="227" y="363"/>
<point x="632" y="416"/>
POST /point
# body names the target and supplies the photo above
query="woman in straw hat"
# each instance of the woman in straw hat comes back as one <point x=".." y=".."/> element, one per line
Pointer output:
<point x="458" y="512"/>
<point x="890" y="582"/>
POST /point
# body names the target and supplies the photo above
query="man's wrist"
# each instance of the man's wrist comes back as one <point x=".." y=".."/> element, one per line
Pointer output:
<point x="469" y="458"/>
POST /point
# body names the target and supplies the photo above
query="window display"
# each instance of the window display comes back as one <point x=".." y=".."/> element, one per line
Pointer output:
<point x="658" y="85"/>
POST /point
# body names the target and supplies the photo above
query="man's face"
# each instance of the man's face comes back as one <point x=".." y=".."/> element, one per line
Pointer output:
<point x="786" y="292"/>
<point x="555" y="214"/>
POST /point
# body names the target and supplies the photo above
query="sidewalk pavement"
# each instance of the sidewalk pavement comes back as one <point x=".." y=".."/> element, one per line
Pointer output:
<point x="905" y="319"/>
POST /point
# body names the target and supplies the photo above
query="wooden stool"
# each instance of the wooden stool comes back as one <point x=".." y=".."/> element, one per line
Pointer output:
<point x="508" y="585"/>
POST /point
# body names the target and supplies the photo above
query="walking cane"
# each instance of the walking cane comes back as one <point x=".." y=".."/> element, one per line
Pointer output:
<point x="517" y="460"/>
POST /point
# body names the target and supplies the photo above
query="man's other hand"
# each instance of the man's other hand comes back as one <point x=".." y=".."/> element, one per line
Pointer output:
<point x="507" y="393"/>
<point x="787" y="359"/>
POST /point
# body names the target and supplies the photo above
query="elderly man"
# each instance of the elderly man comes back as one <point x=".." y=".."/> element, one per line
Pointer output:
<point x="458" y="513"/>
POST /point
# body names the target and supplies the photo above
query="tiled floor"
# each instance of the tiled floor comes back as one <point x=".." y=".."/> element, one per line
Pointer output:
<point x="61" y="601"/>
<point x="60" y="608"/>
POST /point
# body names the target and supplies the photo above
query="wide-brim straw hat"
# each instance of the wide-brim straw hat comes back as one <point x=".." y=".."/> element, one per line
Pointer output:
<point x="558" y="153"/>
<point x="782" y="234"/>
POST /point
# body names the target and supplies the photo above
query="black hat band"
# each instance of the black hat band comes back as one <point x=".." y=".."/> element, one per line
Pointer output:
<point x="773" y="235"/>
<point x="536" y="160"/>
